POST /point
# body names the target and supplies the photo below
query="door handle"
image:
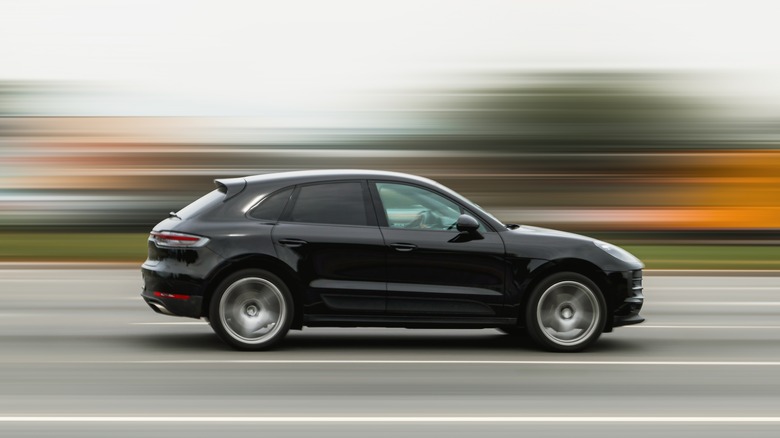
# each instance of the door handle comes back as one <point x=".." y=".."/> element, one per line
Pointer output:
<point x="292" y="243"/>
<point x="405" y="247"/>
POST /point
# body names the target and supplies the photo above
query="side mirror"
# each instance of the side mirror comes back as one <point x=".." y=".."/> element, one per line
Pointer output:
<point x="467" y="224"/>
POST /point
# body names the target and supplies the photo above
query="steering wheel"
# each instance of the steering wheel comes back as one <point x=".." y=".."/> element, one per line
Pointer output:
<point x="421" y="221"/>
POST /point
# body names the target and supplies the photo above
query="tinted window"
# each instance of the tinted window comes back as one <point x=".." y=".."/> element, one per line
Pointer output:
<point x="416" y="208"/>
<point x="272" y="206"/>
<point x="332" y="203"/>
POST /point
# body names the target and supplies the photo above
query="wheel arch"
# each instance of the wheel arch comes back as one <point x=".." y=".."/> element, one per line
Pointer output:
<point x="578" y="266"/>
<point x="257" y="261"/>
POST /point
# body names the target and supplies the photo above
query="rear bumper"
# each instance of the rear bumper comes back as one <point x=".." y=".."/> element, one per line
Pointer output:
<point x="190" y="307"/>
<point x="172" y="294"/>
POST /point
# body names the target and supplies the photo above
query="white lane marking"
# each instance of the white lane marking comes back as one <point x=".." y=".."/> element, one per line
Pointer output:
<point x="703" y="327"/>
<point x="171" y="323"/>
<point x="419" y="362"/>
<point x="335" y="419"/>
<point x="713" y="288"/>
<point x="706" y="327"/>
<point x="713" y="303"/>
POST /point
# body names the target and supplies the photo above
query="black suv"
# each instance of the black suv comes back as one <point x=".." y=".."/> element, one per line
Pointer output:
<point x="263" y="254"/>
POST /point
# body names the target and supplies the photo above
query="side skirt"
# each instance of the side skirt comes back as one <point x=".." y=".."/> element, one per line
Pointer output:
<point x="405" y="321"/>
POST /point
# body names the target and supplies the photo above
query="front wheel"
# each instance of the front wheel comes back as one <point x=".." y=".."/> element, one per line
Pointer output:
<point x="566" y="312"/>
<point x="251" y="310"/>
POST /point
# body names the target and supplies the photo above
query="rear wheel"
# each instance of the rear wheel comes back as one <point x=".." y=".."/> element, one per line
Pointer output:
<point x="566" y="312"/>
<point x="251" y="310"/>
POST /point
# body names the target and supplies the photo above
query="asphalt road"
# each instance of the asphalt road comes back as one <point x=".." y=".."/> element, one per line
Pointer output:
<point x="81" y="355"/>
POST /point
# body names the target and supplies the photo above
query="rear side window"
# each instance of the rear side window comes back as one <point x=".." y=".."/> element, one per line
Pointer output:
<point x="272" y="206"/>
<point x="331" y="203"/>
<point x="203" y="203"/>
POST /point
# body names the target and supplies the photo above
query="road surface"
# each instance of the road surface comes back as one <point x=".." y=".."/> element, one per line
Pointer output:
<point x="81" y="355"/>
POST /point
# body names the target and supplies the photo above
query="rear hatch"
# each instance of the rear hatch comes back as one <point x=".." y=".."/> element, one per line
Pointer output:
<point x="226" y="189"/>
<point x="172" y="236"/>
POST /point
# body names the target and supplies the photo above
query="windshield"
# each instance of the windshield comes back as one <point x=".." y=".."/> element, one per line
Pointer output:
<point x="486" y="213"/>
<point x="466" y="201"/>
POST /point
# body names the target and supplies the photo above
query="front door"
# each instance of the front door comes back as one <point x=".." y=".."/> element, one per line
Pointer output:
<point x="432" y="269"/>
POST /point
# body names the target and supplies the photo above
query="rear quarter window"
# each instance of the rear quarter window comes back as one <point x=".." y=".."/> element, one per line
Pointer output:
<point x="272" y="206"/>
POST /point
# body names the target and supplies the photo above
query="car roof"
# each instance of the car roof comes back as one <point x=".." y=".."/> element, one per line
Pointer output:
<point x="304" y="176"/>
<point x="277" y="180"/>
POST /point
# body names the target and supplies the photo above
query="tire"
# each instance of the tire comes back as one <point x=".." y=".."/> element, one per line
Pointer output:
<point x="566" y="312"/>
<point x="251" y="309"/>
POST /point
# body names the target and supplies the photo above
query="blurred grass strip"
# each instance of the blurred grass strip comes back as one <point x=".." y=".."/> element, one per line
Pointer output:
<point x="707" y="256"/>
<point x="91" y="247"/>
<point x="131" y="247"/>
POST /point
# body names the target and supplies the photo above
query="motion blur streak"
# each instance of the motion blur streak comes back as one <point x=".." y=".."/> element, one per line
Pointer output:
<point x="291" y="419"/>
<point x="581" y="150"/>
<point x="653" y="124"/>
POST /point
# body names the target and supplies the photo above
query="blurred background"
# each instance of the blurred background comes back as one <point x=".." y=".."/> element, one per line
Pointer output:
<point x="655" y="125"/>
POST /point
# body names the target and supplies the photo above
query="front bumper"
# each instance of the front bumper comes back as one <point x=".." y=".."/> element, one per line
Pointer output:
<point x="627" y="310"/>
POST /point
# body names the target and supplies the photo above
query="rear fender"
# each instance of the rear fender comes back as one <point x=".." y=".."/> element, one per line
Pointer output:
<point x="257" y="261"/>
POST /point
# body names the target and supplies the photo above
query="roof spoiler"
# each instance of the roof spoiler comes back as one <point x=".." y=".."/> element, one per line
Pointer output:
<point x="232" y="186"/>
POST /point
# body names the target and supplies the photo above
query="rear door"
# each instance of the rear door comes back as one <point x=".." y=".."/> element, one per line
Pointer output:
<point x="432" y="269"/>
<point x="329" y="235"/>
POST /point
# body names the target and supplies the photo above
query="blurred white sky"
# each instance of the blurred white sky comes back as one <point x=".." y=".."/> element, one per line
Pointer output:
<point x="241" y="57"/>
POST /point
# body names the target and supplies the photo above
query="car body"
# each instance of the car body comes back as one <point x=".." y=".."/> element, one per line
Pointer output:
<point x="348" y="248"/>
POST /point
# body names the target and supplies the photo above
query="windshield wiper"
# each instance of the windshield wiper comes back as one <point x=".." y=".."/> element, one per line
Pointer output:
<point x="173" y="214"/>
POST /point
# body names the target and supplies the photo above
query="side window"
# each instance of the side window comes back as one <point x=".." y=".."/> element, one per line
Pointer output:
<point x="415" y="208"/>
<point x="331" y="203"/>
<point x="272" y="206"/>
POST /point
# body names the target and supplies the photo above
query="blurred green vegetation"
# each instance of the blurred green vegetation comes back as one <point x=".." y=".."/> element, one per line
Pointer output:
<point x="131" y="247"/>
<point x="589" y="112"/>
<point x="552" y="148"/>
<point x="71" y="247"/>
<point x="730" y="257"/>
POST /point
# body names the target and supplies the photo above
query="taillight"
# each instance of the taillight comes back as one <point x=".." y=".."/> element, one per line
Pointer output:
<point x="169" y="239"/>
<point x="174" y="296"/>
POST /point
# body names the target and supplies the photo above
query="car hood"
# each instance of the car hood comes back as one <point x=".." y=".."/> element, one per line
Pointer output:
<point x="543" y="243"/>
<point x="548" y="232"/>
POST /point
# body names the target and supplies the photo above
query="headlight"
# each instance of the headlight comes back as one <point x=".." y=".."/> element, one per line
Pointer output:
<point x="617" y="252"/>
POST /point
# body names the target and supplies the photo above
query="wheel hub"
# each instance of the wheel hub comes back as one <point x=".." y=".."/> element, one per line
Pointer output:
<point x="568" y="313"/>
<point x="251" y="310"/>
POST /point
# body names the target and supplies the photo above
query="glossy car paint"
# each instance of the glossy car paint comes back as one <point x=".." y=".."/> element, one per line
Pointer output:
<point x="346" y="275"/>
